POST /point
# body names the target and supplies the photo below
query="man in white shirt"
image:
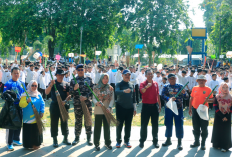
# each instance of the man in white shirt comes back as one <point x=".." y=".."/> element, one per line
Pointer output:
<point x="134" y="80"/>
<point x="212" y="84"/>
<point x="158" y="78"/>
<point x="90" y="72"/>
<point x="112" y="76"/>
<point x="192" y="83"/>
<point x="31" y="74"/>
<point x="22" y="75"/>
<point x="119" y="75"/>
<point x="98" y="71"/>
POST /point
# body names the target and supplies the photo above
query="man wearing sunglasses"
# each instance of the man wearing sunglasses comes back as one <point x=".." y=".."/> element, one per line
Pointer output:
<point x="85" y="96"/>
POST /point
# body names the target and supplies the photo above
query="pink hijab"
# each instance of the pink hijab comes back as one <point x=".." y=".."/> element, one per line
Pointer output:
<point x="224" y="99"/>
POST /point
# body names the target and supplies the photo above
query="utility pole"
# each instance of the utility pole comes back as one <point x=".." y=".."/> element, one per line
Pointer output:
<point x="220" y="38"/>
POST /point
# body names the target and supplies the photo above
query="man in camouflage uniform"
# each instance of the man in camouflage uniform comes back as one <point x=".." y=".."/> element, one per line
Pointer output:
<point x="86" y="95"/>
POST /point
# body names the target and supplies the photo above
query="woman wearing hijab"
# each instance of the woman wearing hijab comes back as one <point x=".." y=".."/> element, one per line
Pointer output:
<point x="105" y="94"/>
<point x="221" y="137"/>
<point x="31" y="137"/>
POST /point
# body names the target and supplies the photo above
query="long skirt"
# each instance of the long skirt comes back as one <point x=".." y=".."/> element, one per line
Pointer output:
<point x="221" y="137"/>
<point x="31" y="136"/>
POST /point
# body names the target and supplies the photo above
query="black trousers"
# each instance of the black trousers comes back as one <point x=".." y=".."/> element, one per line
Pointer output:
<point x="123" y="116"/>
<point x="55" y="116"/>
<point x="211" y="104"/>
<point x="99" y="119"/>
<point x="137" y="93"/>
<point x="200" y="126"/>
<point x="149" y="111"/>
<point x="26" y="84"/>
<point x="113" y="85"/>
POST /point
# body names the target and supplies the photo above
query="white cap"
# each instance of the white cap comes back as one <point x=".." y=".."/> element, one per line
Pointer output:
<point x="201" y="77"/>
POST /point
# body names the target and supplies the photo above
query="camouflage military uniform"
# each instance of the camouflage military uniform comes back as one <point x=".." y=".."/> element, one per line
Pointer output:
<point x="77" y="103"/>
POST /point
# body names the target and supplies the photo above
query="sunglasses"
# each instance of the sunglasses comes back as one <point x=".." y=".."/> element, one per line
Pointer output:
<point x="33" y="85"/>
<point x="80" y="70"/>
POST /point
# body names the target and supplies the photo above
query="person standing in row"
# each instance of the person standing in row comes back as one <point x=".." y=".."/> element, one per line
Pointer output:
<point x="14" y="84"/>
<point x="31" y="137"/>
<point x="169" y="92"/>
<point x="63" y="89"/>
<point x="86" y="95"/>
<point x="125" y="108"/>
<point x="151" y="108"/>
<point x="221" y="137"/>
<point x="105" y="94"/>
<point x="199" y="96"/>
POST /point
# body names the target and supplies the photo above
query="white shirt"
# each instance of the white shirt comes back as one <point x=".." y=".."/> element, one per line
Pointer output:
<point x="212" y="84"/>
<point x="42" y="84"/>
<point x="97" y="75"/>
<point x="22" y="76"/>
<point x="161" y="86"/>
<point x="158" y="80"/>
<point x="47" y="78"/>
<point x="192" y="82"/>
<point x="118" y="76"/>
<point x="67" y="79"/>
<point x="31" y="75"/>
<point x="112" y="77"/>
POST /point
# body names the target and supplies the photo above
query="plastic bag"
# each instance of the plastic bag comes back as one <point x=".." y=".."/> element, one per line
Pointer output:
<point x="202" y="110"/>
<point x="172" y="106"/>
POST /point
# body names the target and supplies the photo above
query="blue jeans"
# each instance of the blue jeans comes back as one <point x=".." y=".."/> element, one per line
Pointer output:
<point x="169" y="115"/>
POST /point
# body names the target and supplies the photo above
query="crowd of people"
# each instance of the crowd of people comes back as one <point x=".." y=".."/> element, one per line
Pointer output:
<point x="122" y="86"/>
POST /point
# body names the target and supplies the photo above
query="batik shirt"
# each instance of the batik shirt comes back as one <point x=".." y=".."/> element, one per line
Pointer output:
<point x="170" y="91"/>
<point x="83" y="88"/>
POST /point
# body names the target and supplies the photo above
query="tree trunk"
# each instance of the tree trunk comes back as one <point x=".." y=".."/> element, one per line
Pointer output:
<point x="51" y="44"/>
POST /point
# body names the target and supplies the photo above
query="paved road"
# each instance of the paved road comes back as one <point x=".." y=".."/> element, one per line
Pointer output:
<point x="82" y="150"/>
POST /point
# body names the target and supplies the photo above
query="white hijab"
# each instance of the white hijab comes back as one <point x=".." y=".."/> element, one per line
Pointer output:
<point x="29" y="90"/>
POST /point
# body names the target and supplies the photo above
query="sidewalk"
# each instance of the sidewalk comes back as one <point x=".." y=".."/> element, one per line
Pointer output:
<point x="83" y="150"/>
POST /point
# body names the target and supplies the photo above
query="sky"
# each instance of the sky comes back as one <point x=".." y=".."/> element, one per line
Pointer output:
<point x="197" y="16"/>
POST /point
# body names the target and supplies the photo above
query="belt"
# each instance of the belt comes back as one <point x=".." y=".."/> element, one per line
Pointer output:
<point x="150" y="104"/>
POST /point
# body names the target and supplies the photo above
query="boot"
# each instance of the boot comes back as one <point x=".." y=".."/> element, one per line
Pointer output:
<point x="167" y="142"/>
<point x="66" y="141"/>
<point x="203" y="144"/>
<point x="55" y="143"/>
<point x="179" y="146"/>
<point x="75" y="141"/>
<point x="89" y="140"/>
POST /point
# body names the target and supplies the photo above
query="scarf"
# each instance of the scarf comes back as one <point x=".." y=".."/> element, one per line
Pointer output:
<point x="224" y="99"/>
<point x="29" y="90"/>
<point x="103" y="91"/>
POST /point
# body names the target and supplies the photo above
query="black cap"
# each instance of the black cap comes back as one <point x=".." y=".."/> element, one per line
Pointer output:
<point x="60" y="72"/>
<point x="184" y="72"/>
<point x="171" y="75"/>
<point x="225" y="78"/>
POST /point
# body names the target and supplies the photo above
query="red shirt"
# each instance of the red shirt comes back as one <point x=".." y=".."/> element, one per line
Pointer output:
<point x="151" y="94"/>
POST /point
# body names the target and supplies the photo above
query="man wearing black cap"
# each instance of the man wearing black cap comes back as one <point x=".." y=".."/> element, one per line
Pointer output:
<point x="169" y="92"/>
<point x="31" y="74"/>
<point x="125" y="108"/>
<point x="86" y="95"/>
<point x="63" y="89"/>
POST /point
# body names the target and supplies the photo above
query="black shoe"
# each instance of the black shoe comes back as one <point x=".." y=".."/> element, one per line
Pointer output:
<point x="66" y="141"/>
<point x="203" y="147"/>
<point x="203" y="144"/>
<point x="75" y="141"/>
<point x="167" y="142"/>
<point x="195" y="144"/>
<point x="97" y="148"/>
<point x="156" y="145"/>
<point x="89" y="140"/>
<point x="179" y="146"/>
<point x="141" y="145"/>
<point x="108" y="147"/>
<point x="55" y="143"/>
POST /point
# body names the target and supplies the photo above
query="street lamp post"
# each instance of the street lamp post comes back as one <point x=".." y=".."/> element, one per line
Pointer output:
<point x="81" y="41"/>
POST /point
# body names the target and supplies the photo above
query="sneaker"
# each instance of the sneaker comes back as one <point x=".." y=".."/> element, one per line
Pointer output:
<point x="223" y="150"/>
<point x="17" y="143"/>
<point x="127" y="144"/>
<point x="108" y="147"/>
<point x="10" y="147"/>
<point x="97" y="148"/>
<point x="118" y="145"/>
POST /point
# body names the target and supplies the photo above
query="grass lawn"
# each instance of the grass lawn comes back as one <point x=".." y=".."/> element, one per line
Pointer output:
<point x="135" y="122"/>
